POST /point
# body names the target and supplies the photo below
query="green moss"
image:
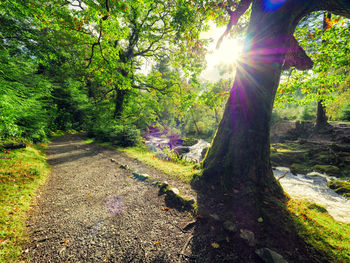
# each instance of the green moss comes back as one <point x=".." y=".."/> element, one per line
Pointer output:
<point x="340" y="187"/>
<point x="317" y="207"/>
<point x="328" y="169"/>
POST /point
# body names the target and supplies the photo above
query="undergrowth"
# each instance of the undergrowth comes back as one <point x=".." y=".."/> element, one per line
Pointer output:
<point x="178" y="170"/>
<point x="22" y="171"/>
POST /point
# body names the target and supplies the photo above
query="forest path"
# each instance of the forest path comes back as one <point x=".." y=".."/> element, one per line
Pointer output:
<point x="92" y="211"/>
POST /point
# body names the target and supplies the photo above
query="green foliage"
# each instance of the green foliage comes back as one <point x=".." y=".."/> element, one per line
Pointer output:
<point x="22" y="98"/>
<point x="329" y="49"/>
<point x="345" y="113"/>
<point x="307" y="113"/>
<point x="116" y="133"/>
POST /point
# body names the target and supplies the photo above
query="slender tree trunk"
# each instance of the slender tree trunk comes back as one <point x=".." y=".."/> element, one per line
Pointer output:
<point x="119" y="102"/>
<point x="321" y="118"/>
<point x="120" y="95"/>
<point x="195" y="123"/>
<point x="216" y="116"/>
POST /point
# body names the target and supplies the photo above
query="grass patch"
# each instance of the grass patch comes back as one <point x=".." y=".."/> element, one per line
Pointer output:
<point x="320" y="230"/>
<point x="22" y="171"/>
<point x="181" y="171"/>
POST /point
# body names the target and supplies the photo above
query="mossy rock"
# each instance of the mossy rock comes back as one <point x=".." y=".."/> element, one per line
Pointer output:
<point x="297" y="168"/>
<point x="340" y="187"/>
<point x="327" y="169"/>
<point x="324" y="157"/>
<point x="287" y="157"/>
<point x="189" y="141"/>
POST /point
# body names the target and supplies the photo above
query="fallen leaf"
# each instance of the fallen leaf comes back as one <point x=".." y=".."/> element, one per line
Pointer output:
<point x="215" y="245"/>
<point x="3" y="241"/>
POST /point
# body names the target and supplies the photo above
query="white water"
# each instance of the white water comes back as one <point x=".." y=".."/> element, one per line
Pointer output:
<point x="195" y="153"/>
<point x="315" y="189"/>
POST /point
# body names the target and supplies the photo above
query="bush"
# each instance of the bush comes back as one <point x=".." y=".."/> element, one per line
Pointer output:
<point x="307" y="113"/>
<point x="345" y="113"/>
<point x="117" y="134"/>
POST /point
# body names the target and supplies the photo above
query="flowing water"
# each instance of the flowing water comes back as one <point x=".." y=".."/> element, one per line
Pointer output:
<point x="313" y="187"/>
<point x="195" y="153"/>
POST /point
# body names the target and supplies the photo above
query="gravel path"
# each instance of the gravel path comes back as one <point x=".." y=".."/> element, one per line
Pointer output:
<point x="93" y="211"/>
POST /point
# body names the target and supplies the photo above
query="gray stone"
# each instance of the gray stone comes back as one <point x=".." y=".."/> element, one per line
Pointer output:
<point x="270" y="256"/>
<point x="174" y="190"/>
<point x="248" y="236"/>
<point x="125" y="167"/>
<point x="229" y="226"/>
<point x="214" y="217"/>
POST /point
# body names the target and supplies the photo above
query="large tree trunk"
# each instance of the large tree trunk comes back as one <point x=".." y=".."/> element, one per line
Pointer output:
<point x="237" y="171"/>
<point x="238" y="162"/>
<point x="237" y="184"/>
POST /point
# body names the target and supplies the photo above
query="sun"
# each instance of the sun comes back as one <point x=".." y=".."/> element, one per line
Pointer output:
<point x="228" y="53"/>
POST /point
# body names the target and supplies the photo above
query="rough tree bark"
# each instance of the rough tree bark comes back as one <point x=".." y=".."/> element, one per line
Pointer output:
<point x="237" y="168"/>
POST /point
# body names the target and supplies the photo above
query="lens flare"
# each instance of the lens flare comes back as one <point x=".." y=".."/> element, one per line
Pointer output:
<point x="114" y="205"/>
<point x="273" y="5"/>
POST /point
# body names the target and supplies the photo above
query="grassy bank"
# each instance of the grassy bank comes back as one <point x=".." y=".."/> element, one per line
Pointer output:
<point x="22" y="171"/>
<point x="320" y="230"/>
<point x="178" y="170"/>
<point x="181" y="170"/>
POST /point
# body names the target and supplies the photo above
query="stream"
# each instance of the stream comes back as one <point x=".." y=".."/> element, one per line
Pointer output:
<point x="312" y="187"/>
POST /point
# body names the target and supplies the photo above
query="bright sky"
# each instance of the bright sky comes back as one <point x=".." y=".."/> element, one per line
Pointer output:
<point x="228" y="53"/>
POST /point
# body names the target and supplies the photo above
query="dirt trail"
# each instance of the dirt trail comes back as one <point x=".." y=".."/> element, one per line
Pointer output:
<point x="93" y="211"/>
